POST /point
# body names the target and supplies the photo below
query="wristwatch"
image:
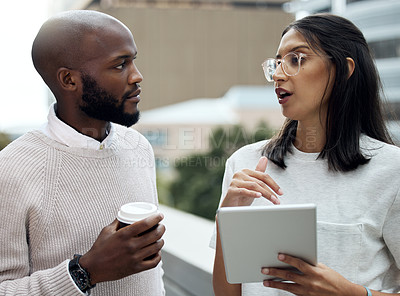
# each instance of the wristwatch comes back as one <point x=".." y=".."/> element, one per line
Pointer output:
<point x="80" y="276"/>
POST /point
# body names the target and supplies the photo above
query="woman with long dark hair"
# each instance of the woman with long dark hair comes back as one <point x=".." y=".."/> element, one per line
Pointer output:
<point x="334" y="151"/>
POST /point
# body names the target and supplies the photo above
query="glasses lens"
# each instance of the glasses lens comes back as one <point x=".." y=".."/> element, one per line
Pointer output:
<point x="269" y="67"/>
<point x="291" y="64"/>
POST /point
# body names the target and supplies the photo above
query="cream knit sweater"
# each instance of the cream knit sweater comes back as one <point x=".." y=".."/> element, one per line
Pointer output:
<point x="54" y="202"/>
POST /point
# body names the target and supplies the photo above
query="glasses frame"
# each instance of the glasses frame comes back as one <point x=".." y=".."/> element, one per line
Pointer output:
<point x="271" y="65"/>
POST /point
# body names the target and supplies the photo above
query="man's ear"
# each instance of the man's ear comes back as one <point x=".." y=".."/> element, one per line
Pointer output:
<point x="68" y="79"/>
<point x="351" y="65"/>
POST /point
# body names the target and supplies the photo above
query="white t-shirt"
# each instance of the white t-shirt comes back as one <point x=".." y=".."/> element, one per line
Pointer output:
<point x="358" y="212"/>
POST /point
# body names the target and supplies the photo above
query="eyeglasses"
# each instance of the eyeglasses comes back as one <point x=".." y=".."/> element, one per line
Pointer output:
<point x="290" y="65"/>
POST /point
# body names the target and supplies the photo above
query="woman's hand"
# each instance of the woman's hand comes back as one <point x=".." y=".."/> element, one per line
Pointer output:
<point x="317" y="280"/>
<point x="249" y="184"/>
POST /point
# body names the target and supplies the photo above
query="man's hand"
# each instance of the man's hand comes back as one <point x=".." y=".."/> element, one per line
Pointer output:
<point x="118" y="253"/>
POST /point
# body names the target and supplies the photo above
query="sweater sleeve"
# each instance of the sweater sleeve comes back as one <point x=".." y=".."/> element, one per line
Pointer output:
<point x="16" y="274"/>
<point x="53" y="281"/>
<point x="391" y="233"/>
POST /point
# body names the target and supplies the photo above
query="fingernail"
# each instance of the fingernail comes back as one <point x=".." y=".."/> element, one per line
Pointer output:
<point x="281" y="257"/>
<point x="280" y="192"/>
<point x="275" y="200"/>
<point x="266" y="284"/>
<point x="265" y="270"/>
<point x="258" y="194"/>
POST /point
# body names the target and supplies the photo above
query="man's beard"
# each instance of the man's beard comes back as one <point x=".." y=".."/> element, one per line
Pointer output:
<point x="100" y="104"/>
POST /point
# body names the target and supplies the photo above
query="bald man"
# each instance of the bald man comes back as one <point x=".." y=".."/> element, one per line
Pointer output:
<point x="61" y="186"/>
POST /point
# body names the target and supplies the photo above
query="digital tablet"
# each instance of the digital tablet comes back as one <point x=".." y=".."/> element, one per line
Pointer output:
<point x="253" y="236"/>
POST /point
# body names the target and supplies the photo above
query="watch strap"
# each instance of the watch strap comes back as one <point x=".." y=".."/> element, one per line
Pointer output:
<point x="78" y="273"/>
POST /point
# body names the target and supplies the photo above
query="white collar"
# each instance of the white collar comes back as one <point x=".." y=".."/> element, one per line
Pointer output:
<point x="65" y="134"/>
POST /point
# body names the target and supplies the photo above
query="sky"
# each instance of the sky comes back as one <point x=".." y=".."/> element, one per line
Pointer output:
<point x="24" y="96"/>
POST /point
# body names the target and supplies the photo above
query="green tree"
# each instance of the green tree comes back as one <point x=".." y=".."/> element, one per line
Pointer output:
<point x="4" y="140"/>
<point x="197" y="188"/>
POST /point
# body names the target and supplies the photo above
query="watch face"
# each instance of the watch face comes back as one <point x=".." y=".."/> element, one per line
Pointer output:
<point x="80" y="279"/>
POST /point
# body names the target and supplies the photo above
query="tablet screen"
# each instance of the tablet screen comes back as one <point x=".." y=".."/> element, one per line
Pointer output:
<point x="252" y="237"/>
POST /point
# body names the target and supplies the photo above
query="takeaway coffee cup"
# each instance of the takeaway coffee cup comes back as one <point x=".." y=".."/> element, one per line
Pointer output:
<point x="135" y="211"/>
<point x="132" y="212"/>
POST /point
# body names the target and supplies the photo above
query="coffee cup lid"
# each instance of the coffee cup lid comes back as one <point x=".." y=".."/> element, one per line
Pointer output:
<point x="135" y="211"/>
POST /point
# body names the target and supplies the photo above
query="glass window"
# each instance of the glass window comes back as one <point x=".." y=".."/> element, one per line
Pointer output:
<point x="156" y="137"/>
<point x="328" y="9"/>
<point x="384" y="49"/>
<point x="352" y="1"/>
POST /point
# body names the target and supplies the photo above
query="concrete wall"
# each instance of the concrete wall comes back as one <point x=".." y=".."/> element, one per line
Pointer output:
<point x="189" y="52"/>
<point x="187" y="257"/>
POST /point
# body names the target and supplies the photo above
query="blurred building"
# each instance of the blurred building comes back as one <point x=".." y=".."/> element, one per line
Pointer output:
<point x="191" y="49"/>
<point x="379" y="20"/>
<point x="185" y="128"/>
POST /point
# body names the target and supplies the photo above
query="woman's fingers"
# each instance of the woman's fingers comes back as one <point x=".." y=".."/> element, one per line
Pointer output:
<point x="262" y="164"/>
<point x="239" y="197"/>
<point x="296" y="275"/>
<point x="250" y="189"/>
<point x="301" y="265"/>
<point x="259" y="182"/>
<point x="249" y="184"/>
<point x="264" y="180"/>
<point x="261" y="167"/>
<point x="310" y="280"/>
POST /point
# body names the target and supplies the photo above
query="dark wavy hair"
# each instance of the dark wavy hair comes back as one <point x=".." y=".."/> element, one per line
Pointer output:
<point x="354" y="106"/>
